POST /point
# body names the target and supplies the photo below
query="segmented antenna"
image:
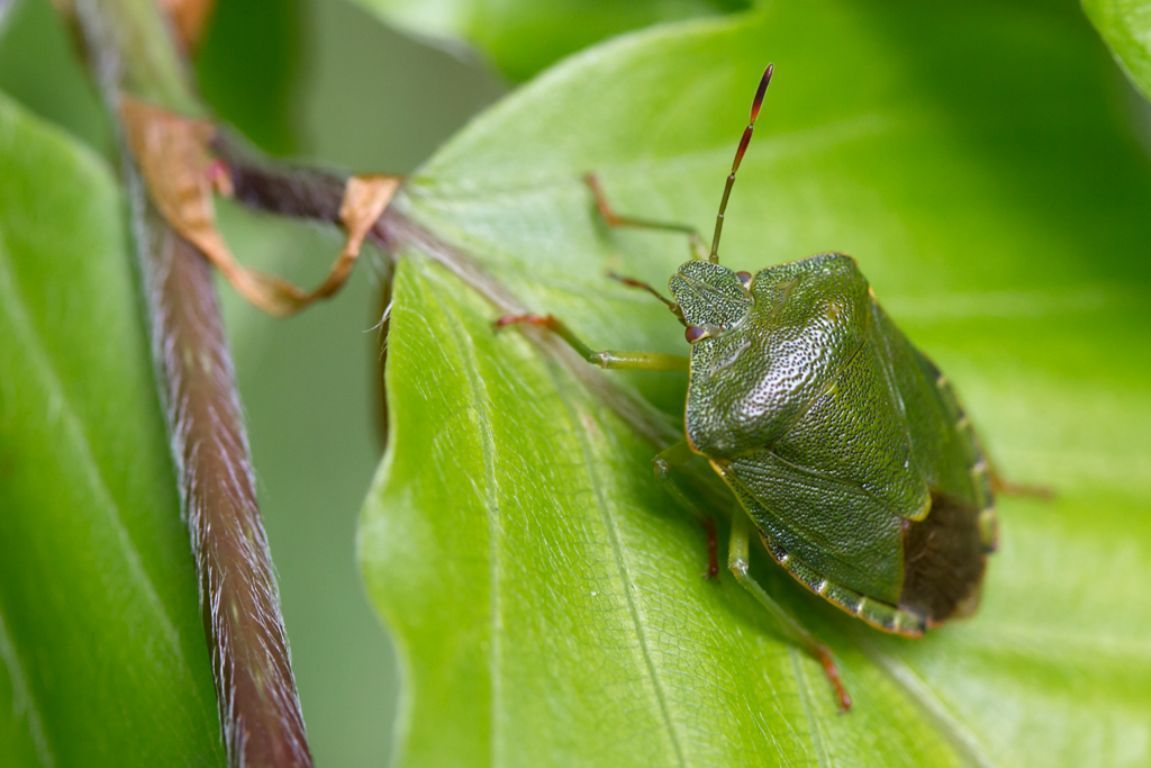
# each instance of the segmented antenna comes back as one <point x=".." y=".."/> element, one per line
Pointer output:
<point x="713" y="257"/>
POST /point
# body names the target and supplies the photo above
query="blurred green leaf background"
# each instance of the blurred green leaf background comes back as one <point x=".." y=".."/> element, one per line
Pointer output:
<point x="521" y="38"/>
<point x="988" y="165"/>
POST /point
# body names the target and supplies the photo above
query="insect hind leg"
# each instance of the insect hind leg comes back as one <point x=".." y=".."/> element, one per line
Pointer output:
<point x="1000" y="484"/>
<point x="739" y="563"/>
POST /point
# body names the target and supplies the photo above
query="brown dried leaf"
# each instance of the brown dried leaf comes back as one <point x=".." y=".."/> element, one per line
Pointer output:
<point x="365" y="198"/>
<point x="180" y="172"/>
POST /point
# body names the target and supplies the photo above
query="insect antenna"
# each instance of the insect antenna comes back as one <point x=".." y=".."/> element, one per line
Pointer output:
<point x="713" y="256"/>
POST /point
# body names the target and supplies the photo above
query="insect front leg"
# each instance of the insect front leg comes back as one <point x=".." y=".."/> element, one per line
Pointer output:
<point x="632" y="282"/>
<point x="642" y="361"/>
<point x="695" y="240"/>
<point x="739" y="563"/>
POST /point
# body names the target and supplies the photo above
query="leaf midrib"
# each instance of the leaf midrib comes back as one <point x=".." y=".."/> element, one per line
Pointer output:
<point x="941" y="717"/>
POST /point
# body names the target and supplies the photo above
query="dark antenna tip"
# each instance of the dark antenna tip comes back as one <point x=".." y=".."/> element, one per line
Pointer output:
<point x="759" y="92"/>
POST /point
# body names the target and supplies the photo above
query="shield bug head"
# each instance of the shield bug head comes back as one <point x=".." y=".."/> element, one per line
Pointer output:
<point x="710" y="297"/>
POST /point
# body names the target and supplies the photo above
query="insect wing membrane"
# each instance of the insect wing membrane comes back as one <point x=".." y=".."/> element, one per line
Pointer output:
<point x="946" y="552"/>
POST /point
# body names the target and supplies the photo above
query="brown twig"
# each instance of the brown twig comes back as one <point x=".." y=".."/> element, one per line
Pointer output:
<point x="281" y="188"/>
<point x="259" y="708"/>
<point x="132" y="52"/>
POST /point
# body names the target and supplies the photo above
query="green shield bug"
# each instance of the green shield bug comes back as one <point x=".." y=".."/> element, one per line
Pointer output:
<point x="844" y="445"/>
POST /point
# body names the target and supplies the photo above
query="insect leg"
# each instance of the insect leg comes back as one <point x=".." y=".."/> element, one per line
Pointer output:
<point x="999" y="484"/>
<point x="695" y="240"/>
<point x="632" y="282"/>
<point x="642" y="361"/>
<point x="738" y="562"/>
<point x="678" y="455"/>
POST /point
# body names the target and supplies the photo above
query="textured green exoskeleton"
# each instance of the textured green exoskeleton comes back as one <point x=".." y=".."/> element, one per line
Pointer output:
<point x="844" y="444"/>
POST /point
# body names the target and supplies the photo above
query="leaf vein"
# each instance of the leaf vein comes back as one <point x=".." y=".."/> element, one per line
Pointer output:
<point x="944" y="720"/>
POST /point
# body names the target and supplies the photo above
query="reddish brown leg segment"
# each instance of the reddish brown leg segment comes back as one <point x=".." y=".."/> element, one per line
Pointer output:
<point x="541" y="321"/>
<point x="832" y="672"/>
<point x="613" y="219"/>
<point x="631" y="282"/>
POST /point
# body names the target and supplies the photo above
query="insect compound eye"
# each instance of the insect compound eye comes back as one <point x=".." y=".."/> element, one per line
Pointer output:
<point x="745" y="278"/>
<point x="694" y="333"/>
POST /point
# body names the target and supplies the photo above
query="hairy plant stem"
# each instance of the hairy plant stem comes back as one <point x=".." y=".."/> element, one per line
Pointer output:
<point x="132" y="53"/>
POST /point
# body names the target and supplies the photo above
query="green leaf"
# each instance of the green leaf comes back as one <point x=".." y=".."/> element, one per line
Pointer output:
<point x="41" y="69"/>
<point x="1126" y="27"/>
<point x="102" y="652"/>
<point x="547" y="596"/>
<point x="522" y="37"/>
